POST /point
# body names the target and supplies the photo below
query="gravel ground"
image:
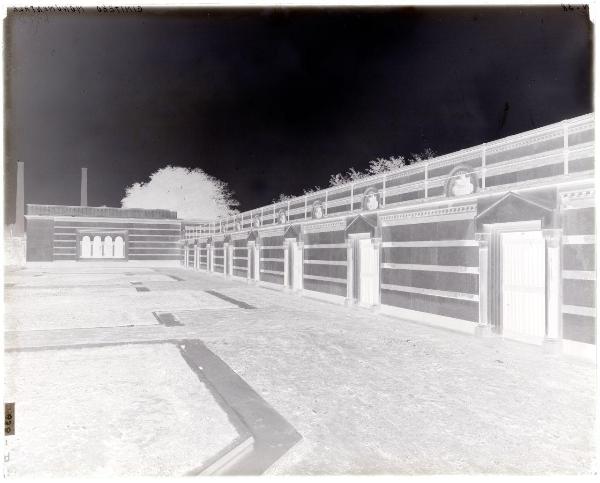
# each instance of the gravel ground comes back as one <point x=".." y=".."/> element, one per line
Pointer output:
<point x="66" y="307"/>
<point x="369" y="393"/>
<point x="114" y="411"/>
<point x="402" y="398"/>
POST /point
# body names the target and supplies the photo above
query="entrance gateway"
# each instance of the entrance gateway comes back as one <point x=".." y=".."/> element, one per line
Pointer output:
<point x="293" y="264"/>
<point x="365" y="268"/>
<point x="523" y="275"/>
<point x="520" y="268"/>
<point x="368" y="272"/>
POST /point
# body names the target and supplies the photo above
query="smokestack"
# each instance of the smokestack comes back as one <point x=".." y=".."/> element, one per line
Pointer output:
<point x="84" y="187"/>
<point x="20" y="208"/>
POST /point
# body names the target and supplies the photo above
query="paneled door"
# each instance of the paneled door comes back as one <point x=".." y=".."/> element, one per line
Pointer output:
<point x="523" y="285"/>
<point x="367" y="272"/>
<point x="296" y="264"/>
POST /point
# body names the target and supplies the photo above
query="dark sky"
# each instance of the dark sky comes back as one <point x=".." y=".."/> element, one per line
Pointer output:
<point x="275" y="100"/>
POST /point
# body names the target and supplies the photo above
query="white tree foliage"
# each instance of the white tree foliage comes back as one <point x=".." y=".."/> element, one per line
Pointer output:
<point x="193" y="193"/>
<point x="383" y="165"/>
<point x="380" y="166"/>
<point x="376" y="166"/>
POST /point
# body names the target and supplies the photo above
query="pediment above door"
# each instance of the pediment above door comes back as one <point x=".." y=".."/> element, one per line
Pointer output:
<point x="513" y="207"/>
<point x="362" y="224"/>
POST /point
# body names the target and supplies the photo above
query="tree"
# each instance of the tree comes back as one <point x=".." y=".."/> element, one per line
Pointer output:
<point x="376" y="166"/>
<point x="193" y="193"/>
<point x="380" y="166"/>
<point x="343" y="178"/>
<point x="383" y="165"/>
<point x="282" y="197"/>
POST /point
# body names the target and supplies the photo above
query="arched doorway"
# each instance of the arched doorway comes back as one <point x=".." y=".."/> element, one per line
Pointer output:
<point x="119" y="248"/>
<point x="86" y="247"/>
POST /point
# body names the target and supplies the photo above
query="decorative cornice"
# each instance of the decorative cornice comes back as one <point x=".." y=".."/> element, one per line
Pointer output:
<point x="580" y="194"/>
<point x="467" y="210"/>
<point x="272" y="231"/>
<point x="240" y="235"/>
<point x="584" y="126"/>
<point x="338" y="225"/>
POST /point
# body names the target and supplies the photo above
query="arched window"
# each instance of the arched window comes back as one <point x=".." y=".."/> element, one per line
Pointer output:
<point x="86" y="247"/>
<point x="108" y="247"/>
<point x="119" y="247"/>
<point x="97" y="247"/>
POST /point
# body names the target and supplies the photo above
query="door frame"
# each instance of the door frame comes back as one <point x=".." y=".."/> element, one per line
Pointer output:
<point x="293" y="263"/>
<point x="495" y="230"/>
<point x="353" y="267"/>
<point x="294" y="253"/>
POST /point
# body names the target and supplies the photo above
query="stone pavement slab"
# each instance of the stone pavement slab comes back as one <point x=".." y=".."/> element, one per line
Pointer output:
<point x="131" y="410"/>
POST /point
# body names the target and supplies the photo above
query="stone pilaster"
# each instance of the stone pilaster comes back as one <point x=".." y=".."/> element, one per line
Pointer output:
<point x="230" y="252"/>
<point x="349" y="272"/>
<point x="553" y="336"/>
<point x="257" y="263"/>
<point x="299" y="290"/>
<point x="226" y="259"/>
<point x="250" y="260"/>
<point x="286" y="265"/>
<point x="484" y="327"/>
<point x="377" y="249"/>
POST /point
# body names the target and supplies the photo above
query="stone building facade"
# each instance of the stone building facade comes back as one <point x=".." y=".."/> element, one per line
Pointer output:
<point x="494" y="239"/>
<point x="85" y="233"/>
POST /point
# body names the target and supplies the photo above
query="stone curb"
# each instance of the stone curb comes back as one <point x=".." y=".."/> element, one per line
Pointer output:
<point x="272" y="435"/>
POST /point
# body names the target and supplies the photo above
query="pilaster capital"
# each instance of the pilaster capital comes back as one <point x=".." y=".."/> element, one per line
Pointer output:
<point x="483" y="239"/>
<point x="552" y="236"/>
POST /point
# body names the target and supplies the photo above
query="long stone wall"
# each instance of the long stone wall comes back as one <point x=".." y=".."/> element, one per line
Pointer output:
<point x="431" y="242"/>
<point x="578" y="266"/>
<point x="325" y="258"/>
<point x="548" y="153"/>
<point x="430" y="263"/>
<point x="271" y="251"/>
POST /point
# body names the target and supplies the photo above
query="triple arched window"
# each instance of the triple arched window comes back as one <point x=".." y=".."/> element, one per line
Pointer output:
<point x="99" y="247"/>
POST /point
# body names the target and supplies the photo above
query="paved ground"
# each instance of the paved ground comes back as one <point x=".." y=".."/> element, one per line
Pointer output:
<point x="134" y="410"/>
<point x="368" y="393"/>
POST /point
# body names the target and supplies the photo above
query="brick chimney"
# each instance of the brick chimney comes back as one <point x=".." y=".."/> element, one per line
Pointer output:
<point x="84" y="198"/>
<point x="20" y="207"/>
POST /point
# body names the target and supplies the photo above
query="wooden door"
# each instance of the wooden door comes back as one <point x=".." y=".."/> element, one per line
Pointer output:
<point x="367" y="272"/>
<point x="523" y="285"/>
